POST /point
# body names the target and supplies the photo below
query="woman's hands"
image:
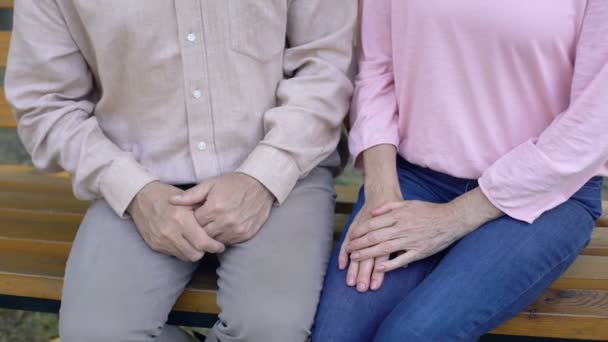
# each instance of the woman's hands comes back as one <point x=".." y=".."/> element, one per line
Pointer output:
<point x="413" y="228"/>
<point x="416" y="230"/>
<point x="381" y="187"/>
<point x="361" y="272"/>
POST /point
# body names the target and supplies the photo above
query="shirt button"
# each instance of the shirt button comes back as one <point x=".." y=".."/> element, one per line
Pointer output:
<point x="201" y="146"/>
<point x="191" y="37"/>
<point x="197" y="94"/>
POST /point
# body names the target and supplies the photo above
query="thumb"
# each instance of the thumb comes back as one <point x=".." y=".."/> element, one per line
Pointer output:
<point x="192" y="196"/>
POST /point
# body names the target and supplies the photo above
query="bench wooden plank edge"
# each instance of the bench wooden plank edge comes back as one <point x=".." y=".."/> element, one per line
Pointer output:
<point x="556" y="326"/>
<point x="190" y="319"/>
<point x="49" y="287"/>
<point x="539" y="324"/>
<point x="603" y="221"/>
<point x="5" y="39"/>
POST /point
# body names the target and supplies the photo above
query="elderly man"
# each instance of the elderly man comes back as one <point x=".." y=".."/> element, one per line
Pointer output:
<point x="197" y="126"/>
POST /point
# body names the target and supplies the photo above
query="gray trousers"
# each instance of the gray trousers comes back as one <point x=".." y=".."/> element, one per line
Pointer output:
<point x="118" y="289"/>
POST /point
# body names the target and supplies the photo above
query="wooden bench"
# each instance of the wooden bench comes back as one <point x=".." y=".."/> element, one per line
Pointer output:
<point x="39" y="218"/>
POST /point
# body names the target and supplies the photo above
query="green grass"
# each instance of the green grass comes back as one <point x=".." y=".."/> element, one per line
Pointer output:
<point x="11" y="149"/>
<point x="23" y="326"/>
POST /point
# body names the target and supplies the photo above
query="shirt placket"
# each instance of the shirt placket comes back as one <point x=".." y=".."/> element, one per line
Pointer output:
<point x="197" y="95"/>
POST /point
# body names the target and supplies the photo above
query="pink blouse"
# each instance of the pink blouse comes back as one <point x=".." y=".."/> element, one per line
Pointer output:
<point x="513" y="93"/>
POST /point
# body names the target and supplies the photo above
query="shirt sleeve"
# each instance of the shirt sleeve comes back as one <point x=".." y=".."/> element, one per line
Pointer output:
<point x="51" y="90"/>
<point x="313" y="98"/>
<point x="546" y="171"/>
<point x="374" y="113"/>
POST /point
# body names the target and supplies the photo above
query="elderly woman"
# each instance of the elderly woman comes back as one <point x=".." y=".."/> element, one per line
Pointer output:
<point x="482" y="127"/>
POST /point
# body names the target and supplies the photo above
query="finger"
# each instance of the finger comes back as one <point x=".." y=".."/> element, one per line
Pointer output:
<point x="372" y="239"/>
<point x="351" y="274"/>
<point x="372" y="224"/>
<point x="192" y="196"/>
<point x="365" y="274"/>
<point x="378" y="276"/>
<point x="203" y="217"/>
<point x="357" y="227"/>
<point x="343" y="256"/>
<point x="382" y="249"/>
<point x="215" y="229"/>
<point x="187" y="252"/>
<point x="401" y="261"/>
<point x="168" y="247"/>
<point x="171" y="250"/>
<point x="198" y="237"/>
<point x="387" y="208"/>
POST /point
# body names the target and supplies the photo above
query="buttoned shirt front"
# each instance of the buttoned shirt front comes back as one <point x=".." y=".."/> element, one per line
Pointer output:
<point x="122" y="93"/>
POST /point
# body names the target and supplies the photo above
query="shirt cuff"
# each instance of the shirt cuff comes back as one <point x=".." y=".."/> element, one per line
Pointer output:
<point x="275" y="169"/>
<point x="524" y="185"/>
<point x="119" y="184"/>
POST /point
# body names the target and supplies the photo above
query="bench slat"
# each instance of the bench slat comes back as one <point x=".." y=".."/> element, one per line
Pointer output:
<point x="32" y="269"/>
<point x="39" y="226"/>
<point x="46" y="258"/>
<point x="39" y="202"/>
<point x="23" y="178"/>
<point x="6" y="115"/>
<point x="25" y="188"/>
<point x="587" y="272"/>
<point x="5" y="39"/>
<point x="599" y="242"/>
<point x="586" y="318"/>
<point x="62" y="226"/>
<point x="603" y="221"/>
<point x="19" y="178"/>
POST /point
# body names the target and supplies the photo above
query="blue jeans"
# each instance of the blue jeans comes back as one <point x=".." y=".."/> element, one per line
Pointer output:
<point x="467" y="290"/>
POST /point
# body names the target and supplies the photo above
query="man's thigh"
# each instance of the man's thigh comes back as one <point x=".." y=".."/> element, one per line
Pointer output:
<point x="115" y="283"/>
<point x="269" y="286"/>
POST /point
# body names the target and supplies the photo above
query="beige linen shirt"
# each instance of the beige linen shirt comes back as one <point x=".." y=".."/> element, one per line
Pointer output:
<point x="124" y="92"/>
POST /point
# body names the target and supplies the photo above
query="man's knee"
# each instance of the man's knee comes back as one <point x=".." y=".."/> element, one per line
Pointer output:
<point x="266" y="322"/>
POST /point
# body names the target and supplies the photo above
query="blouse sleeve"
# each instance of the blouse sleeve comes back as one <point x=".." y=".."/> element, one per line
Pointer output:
<point x="546" y="171"/>
<point x="374" y="108"/>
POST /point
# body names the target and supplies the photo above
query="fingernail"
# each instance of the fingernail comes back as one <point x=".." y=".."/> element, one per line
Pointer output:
<point x="361" y="287"/>
<point x="374" y="284"/>
<point x="355" y="255"/>
<point x="351" y="281"/>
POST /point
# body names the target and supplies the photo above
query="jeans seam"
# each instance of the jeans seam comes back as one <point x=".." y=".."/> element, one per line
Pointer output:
<point x="411" y="331"/>
<point x="522" y="293"/>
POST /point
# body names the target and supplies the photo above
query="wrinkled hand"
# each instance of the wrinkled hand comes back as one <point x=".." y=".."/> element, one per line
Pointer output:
<point x="167" y="228"/>
<point x="232" y="208"/>
<point x="413" y="228"/>
<point x="362" y="273"/>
